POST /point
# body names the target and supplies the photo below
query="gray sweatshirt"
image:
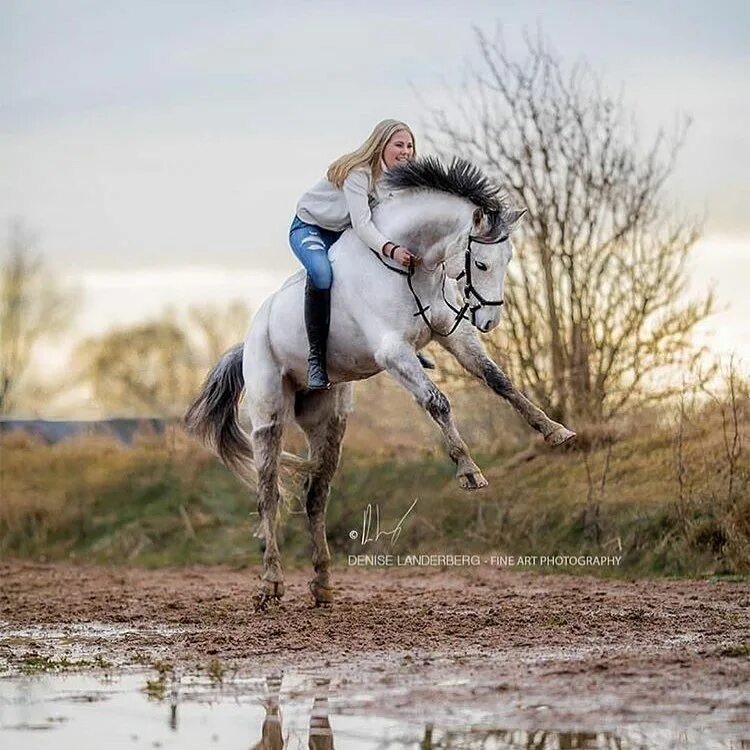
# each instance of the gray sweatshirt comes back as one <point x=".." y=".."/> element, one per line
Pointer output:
<point x="337" y="209"/>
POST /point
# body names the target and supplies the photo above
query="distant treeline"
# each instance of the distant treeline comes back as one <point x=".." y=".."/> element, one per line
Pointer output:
<point x="53" y="431"/>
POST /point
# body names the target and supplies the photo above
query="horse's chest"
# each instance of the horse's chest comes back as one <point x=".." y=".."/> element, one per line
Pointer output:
<point x="421" y="337"/>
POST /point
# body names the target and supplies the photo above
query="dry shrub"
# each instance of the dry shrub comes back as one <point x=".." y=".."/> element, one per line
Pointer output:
<point x="49" y="486"/>
<point x="711" y="470"/>
<point x="591" y="437"/>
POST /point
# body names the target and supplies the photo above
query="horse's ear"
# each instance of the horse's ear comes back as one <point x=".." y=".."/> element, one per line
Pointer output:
<point x="514" y="217"/>
<point x="477" y="219"/>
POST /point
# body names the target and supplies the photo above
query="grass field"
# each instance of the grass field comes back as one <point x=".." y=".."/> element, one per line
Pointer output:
<point x="167" y="501"/>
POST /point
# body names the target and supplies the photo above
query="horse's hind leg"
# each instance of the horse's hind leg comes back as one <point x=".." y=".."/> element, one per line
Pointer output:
<point x="268" y="404"/>
<point x="266" y="449"/>
<point x="322" y="415"/>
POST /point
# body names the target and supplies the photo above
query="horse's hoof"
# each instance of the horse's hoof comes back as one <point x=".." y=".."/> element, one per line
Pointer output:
<point x="323" y="595"/>
<point x="262" y="603"/>
<point x="560" y="436"/>
<point x="269" y="595"/>
<point x="472" y="481"/>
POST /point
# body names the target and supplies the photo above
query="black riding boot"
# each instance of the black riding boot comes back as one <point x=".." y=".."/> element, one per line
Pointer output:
<point x="317" y="321"/>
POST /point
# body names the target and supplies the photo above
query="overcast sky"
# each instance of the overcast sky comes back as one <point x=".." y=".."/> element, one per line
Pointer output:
<point x="162" y="135"/>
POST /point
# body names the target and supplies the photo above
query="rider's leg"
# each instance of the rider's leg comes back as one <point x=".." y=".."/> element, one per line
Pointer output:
<point x="317" y="323"/>
<point x="310" y="244"/>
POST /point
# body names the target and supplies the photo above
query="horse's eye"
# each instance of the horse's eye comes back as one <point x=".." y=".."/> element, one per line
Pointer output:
<point x="481" y="266"/>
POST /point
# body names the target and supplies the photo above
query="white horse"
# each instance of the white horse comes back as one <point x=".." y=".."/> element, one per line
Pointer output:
<point x="453" y="218"/>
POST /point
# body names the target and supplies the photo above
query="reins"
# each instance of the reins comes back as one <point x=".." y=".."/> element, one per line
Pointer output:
<point x="469" y="290"/>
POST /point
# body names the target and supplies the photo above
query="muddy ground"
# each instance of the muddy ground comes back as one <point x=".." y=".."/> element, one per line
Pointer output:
<point x="584" y="651"/>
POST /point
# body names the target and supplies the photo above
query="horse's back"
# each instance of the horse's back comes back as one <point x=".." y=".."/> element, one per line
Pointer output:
<point x="360" y="290"/>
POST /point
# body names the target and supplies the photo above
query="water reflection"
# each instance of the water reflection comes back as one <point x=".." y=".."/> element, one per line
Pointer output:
<point x="272" y="733"/>
<point x="174" y="699"/>
<point x="503" y="739"/>
<point x="320" y="734"/>
<point x="523" y="740"/>
<point x="276" y="712"/>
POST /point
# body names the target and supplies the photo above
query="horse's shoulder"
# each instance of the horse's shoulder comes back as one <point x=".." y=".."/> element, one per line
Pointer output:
<point x="346" y="245"/>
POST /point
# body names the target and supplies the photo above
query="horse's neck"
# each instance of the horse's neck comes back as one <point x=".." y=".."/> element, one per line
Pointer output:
<point x="429" y="224"/>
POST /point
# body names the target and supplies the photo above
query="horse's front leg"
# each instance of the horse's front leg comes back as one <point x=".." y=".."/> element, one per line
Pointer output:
<point x="401" y="362"/>
<point x="466" y="347"/>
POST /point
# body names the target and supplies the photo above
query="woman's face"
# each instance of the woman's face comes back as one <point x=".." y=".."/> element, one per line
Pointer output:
<point x="399" y="149"/>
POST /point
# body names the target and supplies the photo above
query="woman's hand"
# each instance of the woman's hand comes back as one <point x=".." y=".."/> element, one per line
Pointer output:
<point x="405" y="257"/>
<point x="400" y="254"/>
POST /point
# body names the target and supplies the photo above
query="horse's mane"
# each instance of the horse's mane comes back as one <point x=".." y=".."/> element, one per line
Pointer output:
<point x="460" y="177"/>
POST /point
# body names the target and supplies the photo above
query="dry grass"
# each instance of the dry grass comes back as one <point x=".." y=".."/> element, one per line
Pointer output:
<point x="166" y="499"/>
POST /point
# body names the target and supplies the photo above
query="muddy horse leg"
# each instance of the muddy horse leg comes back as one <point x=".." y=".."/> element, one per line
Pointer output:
<point x="466" y="347"/>
<point x="402" y="364"/>
<point x="266" y="450"/>
<point x="322" y="416"/>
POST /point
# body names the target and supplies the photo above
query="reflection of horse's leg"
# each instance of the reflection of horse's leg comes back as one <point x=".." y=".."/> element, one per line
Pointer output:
<point x="402" y="364"/>
<point x="320" y="735"/>
<point x="268" y="403"/>
<point x="466" y="347"/>
<point x="272" y="737"/>
<point x="322" y="415"/>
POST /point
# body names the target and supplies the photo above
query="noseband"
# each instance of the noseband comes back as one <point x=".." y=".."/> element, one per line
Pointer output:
<point x="469" y="290"/>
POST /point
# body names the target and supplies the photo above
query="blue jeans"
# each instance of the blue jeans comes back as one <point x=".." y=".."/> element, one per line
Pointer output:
<point x="310" y="244"/>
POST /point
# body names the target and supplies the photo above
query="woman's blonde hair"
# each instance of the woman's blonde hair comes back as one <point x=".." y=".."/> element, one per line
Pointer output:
<point x="369" y="154"/>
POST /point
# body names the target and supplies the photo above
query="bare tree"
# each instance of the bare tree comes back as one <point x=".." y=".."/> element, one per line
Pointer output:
<point x="155" y="368"/>
<point x="213" y="329"/>
<point x="732" y="408"/>
<point x="143" y="370"/>
<point x="33" y="307"/>
<point x="595" y="307"/>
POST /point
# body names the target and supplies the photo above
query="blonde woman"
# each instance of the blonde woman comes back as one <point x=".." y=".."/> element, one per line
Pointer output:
<point x="343" y="199"/>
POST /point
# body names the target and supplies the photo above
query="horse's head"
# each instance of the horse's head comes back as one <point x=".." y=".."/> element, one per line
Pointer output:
<point x="480" y="270"/>
<point x="454" y="214"/>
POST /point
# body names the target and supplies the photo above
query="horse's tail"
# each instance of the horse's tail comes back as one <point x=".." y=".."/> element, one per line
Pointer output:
<point x="212" y="417"/>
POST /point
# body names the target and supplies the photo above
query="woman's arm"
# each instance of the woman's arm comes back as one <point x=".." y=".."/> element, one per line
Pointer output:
<point x="356" y="191"/>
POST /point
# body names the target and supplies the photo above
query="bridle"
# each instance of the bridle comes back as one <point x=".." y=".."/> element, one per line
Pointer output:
<point x="469" y="289"/>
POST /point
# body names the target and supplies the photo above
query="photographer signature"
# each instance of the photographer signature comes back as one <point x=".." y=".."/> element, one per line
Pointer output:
<point x="368" y="535"/>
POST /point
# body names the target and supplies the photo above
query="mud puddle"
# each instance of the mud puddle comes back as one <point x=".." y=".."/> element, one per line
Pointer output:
<point x="166" y="709"/>
<point x="424" y="659"/>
